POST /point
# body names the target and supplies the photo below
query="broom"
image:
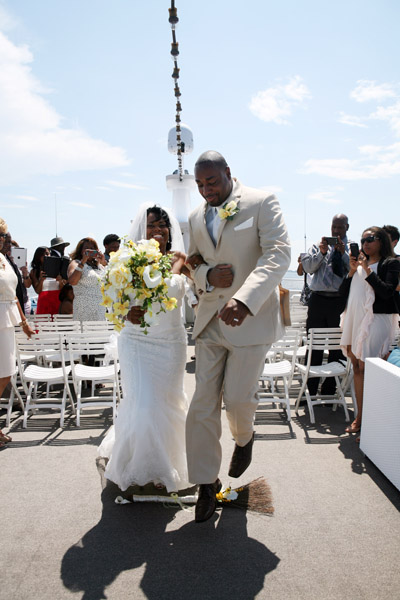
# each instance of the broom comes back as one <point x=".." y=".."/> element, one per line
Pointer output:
<point x="255" y="496"/>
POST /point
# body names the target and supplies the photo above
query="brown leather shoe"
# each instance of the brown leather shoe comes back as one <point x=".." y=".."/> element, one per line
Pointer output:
<point x="241" y="458"/>
<point x="207" y="502"/>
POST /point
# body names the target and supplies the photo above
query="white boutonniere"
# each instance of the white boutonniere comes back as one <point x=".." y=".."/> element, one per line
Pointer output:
<point x="228" y="210"/>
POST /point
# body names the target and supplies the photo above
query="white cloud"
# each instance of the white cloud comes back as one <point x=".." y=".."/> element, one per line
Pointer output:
<point x="81" y="204"/>
<point x="391" y="114"/>
<point x="32" y="139"/>
<point x="351" y="120"/>
<point x="123" y="184"/>
<point x="29" y="198"/>
<point x="366" y="90"/>
<point x="373" y="162"/>
<point x="325" y="196"/>
<point x="379" y="165"/>
<point x="277" y="103"/>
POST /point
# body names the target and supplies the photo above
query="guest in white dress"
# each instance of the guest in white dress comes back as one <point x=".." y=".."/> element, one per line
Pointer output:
<point x="84" y="273"/>
<point x="148" y="441"/>
<point x="10" y="315"/>
<point x="370" y="320"/>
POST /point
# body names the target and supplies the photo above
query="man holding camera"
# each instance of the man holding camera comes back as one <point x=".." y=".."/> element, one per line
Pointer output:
<point x="328" y="263"/>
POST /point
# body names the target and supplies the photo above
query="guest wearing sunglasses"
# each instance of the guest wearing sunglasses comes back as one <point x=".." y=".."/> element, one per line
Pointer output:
<point x="369" y="322"/>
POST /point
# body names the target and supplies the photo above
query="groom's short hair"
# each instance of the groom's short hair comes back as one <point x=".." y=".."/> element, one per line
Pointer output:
<point x="211" y="157"/>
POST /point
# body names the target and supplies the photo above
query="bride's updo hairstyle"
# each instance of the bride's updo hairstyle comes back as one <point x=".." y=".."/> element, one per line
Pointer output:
<point x="161" y="214"/>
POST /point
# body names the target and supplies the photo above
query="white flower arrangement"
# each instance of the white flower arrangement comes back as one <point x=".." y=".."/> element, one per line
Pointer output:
<point x="137" y="275"/>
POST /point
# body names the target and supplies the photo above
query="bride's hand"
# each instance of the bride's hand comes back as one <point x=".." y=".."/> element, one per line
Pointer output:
<point x="178" y="262"/>
<point x="135" y="315"/>
<point x="195" y="260"/>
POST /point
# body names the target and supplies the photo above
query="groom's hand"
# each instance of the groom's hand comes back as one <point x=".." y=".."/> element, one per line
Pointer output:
<point x="234" y="313"/>
<point x="220" y="276"/>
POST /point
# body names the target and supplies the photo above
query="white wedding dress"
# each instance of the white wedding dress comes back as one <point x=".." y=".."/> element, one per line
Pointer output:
<point x="147" y="443"/>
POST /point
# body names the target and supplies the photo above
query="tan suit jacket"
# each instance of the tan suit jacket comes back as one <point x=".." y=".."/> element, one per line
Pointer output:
<point x="255" y="242"/>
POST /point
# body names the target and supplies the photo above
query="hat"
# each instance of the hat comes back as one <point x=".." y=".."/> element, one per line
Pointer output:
<point x="58" y="241"/>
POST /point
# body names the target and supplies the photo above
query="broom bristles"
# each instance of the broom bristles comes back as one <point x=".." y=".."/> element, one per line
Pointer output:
<point x="255" y="496"/>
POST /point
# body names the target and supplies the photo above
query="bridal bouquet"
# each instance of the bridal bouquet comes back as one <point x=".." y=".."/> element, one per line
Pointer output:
<point x="137" y="275"/>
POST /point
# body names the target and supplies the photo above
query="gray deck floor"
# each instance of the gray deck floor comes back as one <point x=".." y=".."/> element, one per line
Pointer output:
<point x="335" y="532"/>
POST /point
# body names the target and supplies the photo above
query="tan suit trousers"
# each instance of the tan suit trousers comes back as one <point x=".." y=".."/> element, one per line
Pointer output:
<point x="222" y="371"/>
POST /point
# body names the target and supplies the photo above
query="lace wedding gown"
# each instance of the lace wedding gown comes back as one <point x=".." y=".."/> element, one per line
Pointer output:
<point x="147" y="443"/>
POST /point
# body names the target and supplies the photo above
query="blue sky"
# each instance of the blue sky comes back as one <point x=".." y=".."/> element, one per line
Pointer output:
<point x="302" y="98"/>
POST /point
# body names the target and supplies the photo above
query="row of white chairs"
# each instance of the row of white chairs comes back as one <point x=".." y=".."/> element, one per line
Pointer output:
<point x="54" y="358"/>
<point x="64" y="325"/>
<point x="289" y="361"/>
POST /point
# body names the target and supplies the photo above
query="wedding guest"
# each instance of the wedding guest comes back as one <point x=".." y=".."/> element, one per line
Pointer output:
<point x="57" y="247"/>
<point x="111" y="244"/>
<point x="11" y="314"/>
<point x="84" y="273"/>
<point x="394" y="235"/>
<point x="20" y="291"/>
<point x="27" y="282"/>
<point x="47" y="288"/>
<point x="370" y="320"/>
<point x="66" y="297"/>
<point x="328" y="263"/>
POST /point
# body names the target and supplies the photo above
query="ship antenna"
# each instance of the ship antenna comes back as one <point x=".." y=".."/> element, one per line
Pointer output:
<point x="173" y="20"/>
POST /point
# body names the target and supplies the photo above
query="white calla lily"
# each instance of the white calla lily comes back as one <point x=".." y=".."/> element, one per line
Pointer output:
<point x="152" y="278"/>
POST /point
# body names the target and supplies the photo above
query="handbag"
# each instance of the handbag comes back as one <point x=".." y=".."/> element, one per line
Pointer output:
<point x="305" y="292"/>
<point x="284" y="296"/>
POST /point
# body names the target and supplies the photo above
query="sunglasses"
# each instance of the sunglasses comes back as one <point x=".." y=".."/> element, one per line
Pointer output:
<point x="3" y="235"/>
<point x="369" y="239"/>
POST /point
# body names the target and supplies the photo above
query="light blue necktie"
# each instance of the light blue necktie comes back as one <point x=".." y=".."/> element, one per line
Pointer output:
<point x="212" y="223"/>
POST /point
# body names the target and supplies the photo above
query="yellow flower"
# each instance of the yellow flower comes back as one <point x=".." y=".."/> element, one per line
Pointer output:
<point x="121" y="308"/>
<point x="143" y="293"/>
<point x="140" y="271"/>
<point x="170" y="303"/>
<point x="129" y="291"/>
<point x="111" y="317"/>
<point x="107" y="301"/>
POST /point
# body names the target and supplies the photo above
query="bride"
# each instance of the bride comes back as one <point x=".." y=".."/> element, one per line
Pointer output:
<point x="147" y="443"/>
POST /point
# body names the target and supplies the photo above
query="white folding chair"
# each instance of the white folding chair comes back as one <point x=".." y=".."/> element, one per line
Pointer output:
<point x="278" y="368"/>
<point x="38" y="318"/>
<point x="92" y="344"/>
<point x="8" y="403"/>
<point x="97" y="326"/>
<point x="63" y="317"/>
<point x="43" y="346"/>
<point x="325" y="339"/>
<point x="60" y="326"/>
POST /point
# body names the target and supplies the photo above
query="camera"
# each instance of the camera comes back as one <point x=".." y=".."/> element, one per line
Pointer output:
<point x="354" y="250"/>
<point x="331" y="241"/>
<point x="91" y="252"/>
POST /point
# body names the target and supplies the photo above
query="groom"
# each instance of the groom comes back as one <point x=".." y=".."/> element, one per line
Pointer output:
<point x="246" y="253"/>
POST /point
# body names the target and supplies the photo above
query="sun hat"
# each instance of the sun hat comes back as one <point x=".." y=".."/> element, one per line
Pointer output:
<point x="58" y="241"/>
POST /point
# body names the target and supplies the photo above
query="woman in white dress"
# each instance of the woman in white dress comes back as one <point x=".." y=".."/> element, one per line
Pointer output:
<point x="370" y="320"/>
<point x="10" y="315"/>
<point x="147" y="443"/>
<point x="84" y="273"/>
